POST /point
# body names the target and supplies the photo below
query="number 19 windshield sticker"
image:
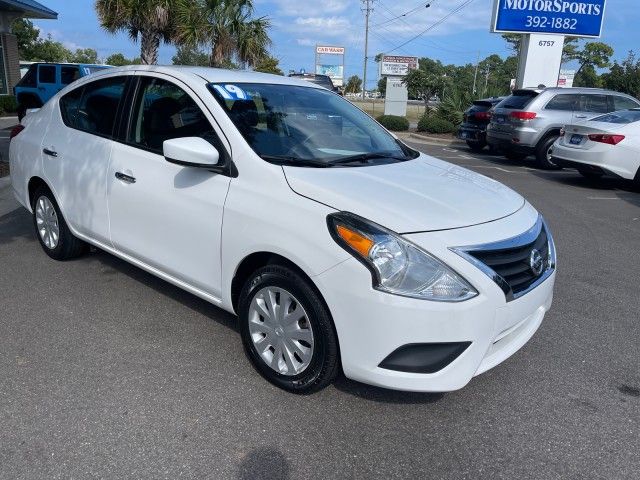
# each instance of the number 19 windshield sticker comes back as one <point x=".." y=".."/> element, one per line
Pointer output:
<point x="231" y="92"/>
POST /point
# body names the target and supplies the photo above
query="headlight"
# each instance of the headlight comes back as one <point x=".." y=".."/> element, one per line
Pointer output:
<point x="397" y="265"/>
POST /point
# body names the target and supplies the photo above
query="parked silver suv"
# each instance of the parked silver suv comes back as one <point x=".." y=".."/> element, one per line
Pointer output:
<point x="529" y="121"/>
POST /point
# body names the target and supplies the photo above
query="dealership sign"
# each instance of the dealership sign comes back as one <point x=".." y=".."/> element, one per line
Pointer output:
<point x="320" y="50"/>
<point x="396" y="66"/>
<point x="582" y="18"/>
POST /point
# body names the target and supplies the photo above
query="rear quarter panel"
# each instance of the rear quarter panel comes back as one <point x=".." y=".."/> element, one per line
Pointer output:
<point x="25" y="153"/>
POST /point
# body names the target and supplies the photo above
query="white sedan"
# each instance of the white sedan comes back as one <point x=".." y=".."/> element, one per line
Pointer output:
<point x="337" y="245"/>
<point x="608" y="144"/>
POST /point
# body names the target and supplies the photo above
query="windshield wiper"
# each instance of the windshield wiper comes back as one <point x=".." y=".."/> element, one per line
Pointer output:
<point x="365" y="157"/>
<point x="295" y="161"/>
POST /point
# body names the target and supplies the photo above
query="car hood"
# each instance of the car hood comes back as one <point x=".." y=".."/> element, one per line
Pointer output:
<point x="420" y="195"/>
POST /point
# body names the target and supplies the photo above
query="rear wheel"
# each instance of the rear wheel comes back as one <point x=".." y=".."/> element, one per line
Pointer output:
<point x="543" y="153"/>
<point x="476" y="146"/>
<point x="287" y="331"/>
<point x="52" y="230"/>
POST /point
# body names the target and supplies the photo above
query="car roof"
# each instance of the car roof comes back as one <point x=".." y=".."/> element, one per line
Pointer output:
<point x="212" y="75"/>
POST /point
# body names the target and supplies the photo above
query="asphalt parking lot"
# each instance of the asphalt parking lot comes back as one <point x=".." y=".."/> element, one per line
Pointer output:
<point x="106" y="371"/>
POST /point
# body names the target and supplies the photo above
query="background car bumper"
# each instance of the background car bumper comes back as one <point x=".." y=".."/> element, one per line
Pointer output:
<point x="613" y="160"/>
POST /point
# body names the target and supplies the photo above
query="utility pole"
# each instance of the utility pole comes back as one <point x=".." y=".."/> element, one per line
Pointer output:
<point x="475" y="76"/>
<point x="368" y="8"/>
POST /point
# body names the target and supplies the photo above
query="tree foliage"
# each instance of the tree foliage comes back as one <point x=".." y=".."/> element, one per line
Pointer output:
<point x="354" y="84"/>
<point x="624" y="76"/>
<point x="119" y="60"/>
<point x="226" y="27"/>
<point x="150" y="21"/>
<point x="188" y="55"/>
<point x="84" y="55"/>
<point x="268" y="64"/>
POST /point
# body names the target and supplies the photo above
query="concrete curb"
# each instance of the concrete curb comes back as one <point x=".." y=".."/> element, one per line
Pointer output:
<point x="416" y="137"/>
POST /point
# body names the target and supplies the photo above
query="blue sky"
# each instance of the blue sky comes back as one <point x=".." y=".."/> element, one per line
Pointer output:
<point x="299" y="24"/>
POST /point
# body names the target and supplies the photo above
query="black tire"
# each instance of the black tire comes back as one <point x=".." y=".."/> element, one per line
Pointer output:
<point x="325" y="359"/>
<point x="515" y="156"/>
<point x="543" y="159"/>
<point x="68" y="246"/>
<point x="22" y="112"/>
<point x="590" y="174"/>
<point x="476" y="146"/>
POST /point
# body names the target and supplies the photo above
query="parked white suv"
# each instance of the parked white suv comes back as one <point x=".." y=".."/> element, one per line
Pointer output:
<point x="528" y="122"/>
<point x="334" y="243"/>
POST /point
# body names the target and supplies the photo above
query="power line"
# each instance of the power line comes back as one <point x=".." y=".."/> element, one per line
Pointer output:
<point x="439" y="22"/>
<point x="422" y="5"/>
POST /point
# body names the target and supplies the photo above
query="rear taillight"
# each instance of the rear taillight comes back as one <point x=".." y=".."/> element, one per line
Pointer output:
<point x="16" y="130"/>
<point x="606" y="138"/>
<point x="483" y="115"/>
<point x="523" y="116"/>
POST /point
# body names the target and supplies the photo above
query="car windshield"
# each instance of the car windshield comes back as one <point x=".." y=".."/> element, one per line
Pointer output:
<point x="306" y="126"/>
<point x="624" y="116"/>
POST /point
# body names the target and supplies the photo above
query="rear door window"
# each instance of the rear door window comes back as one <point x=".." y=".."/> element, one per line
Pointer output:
<point x="94" y="110"/>
<point x="624" y="103"/>
<point x="595" y="104"/>
<point x="47" y="74"/>
<point x="622" y="117"/>
<point x="564" y="102"/>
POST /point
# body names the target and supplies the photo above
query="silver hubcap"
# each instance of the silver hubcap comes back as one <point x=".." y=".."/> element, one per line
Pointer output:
<point x="280" y="331"/>
<point x="47" y="222"/>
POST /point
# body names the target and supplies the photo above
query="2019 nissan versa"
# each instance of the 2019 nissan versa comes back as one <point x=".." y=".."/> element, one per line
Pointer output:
<point x="337" y="245"/>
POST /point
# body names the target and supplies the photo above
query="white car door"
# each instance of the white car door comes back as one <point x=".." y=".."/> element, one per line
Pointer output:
<point x="167" y="216"/>
<point x="76" y="150"/>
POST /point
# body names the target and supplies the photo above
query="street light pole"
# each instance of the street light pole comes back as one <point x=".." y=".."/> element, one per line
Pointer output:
<point x="367" y="11"/>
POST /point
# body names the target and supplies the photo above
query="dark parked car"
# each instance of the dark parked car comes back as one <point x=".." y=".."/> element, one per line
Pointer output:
<point x="322" y="80"/>
<point x="474" y="127"/>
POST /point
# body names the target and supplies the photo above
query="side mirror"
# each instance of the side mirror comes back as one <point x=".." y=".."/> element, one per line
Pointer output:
<point x="191" y="152"/>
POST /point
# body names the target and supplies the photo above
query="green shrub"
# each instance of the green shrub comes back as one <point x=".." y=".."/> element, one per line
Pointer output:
<point x="434" y="124"/>
<point x="8" y="103"/>
<point x="453" y="105"/>
<point x="394" y="123"/>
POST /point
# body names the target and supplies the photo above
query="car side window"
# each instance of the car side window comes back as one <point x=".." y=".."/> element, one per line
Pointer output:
<point x="564" y="102"/>
<point x="164" y="111"/>
<point x="624" y="103"/>
<point x="69" y="74"/>
<point x="30" y="78"/>
<point x="595" y="103"/>
<point x="47" y="74"/>
<point x="93" y="108"/>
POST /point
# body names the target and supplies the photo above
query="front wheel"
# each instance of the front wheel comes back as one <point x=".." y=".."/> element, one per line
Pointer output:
<point x="287" y="331"/>
<point x="51" y="228"/>
<point x="543" y="154"/>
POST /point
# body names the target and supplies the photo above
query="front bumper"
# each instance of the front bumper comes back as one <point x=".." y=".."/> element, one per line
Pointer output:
<point x="371" y="324"/>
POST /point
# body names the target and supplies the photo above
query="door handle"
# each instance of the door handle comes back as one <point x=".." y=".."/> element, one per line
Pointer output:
<point x="581" y="116"/>
<point x="51" y="153"/>
<point x="125" y="178"/>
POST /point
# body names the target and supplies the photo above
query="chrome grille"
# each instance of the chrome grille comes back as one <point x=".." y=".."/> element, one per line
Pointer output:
<point x="513" y="264"/>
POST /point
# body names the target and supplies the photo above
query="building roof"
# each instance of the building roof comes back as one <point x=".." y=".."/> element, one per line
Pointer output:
<point x="28" y="9"/>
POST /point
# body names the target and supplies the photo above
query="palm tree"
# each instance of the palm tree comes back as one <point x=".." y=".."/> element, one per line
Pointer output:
<point x="226" y="26"/>
<point x="151" y="20"/>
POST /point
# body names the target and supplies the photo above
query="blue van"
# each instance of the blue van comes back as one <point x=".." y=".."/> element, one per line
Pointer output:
<point x="43" y="80"/>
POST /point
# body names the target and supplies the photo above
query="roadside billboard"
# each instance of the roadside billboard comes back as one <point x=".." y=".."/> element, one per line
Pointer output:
<point x="327" y="64"/>
<point x="335" y="72"/>
<point x="397" y="66"/>
<point x="560" y="17"/>
<point x="324" y="50"/>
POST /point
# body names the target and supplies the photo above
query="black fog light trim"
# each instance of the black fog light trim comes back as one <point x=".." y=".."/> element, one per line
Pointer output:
<point x="423" y="357"/>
